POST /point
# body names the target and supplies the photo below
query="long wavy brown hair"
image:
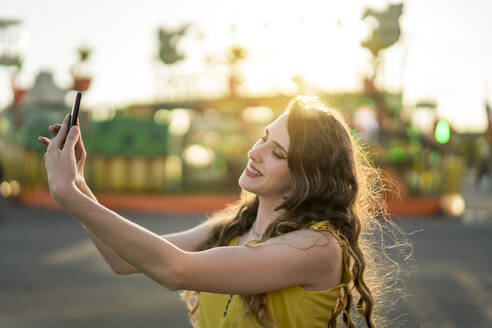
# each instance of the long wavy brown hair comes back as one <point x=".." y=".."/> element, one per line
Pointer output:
<point x="332" y="179"/>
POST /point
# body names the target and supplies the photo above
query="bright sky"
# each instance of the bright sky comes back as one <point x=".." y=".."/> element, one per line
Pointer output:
<point x="445" y="52"/>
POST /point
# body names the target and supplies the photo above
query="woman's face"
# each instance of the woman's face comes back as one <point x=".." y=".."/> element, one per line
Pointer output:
<point x="269" y="157"/>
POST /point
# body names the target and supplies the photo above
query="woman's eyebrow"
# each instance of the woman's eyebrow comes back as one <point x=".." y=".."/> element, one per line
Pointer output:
<point x="276" y="143"/>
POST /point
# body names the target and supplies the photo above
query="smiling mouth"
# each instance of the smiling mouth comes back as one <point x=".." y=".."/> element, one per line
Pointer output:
<point x="252" y="171"/>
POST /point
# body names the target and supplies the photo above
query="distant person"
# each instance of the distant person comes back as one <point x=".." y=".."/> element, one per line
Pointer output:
<point x="482" y="180"/>
<point x="298" y="250"/>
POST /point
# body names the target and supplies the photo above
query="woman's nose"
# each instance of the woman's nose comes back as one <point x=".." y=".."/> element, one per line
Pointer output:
<point x="254" y="155"/>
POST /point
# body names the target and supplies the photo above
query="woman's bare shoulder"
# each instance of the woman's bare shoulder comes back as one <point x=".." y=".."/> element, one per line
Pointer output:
<point x="328" y="256"/>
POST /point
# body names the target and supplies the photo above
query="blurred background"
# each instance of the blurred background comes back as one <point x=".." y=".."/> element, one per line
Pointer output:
<point x="175" y="94"/>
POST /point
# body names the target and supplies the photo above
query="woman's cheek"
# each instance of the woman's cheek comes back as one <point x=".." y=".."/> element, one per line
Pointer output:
<point x="283" y="176"/>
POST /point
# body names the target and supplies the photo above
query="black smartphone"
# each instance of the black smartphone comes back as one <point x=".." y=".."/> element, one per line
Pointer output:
<point x="74" y="114"/>
<point x="75" y="110"/>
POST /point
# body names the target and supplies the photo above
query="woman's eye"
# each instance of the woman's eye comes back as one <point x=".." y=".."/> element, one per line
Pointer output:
<point x="276" y="155"/>
<point x="264" y="139"/>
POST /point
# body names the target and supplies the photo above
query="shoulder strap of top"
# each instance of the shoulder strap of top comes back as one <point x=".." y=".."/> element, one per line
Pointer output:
<point x="234" y="241"/>
<point x="323" y="226"/>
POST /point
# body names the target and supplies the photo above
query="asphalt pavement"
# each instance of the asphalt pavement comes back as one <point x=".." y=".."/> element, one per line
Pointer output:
<point x="52" y="276"/>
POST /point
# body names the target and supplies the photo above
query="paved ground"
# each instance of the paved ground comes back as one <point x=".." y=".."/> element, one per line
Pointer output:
<point x="52" y="276"/>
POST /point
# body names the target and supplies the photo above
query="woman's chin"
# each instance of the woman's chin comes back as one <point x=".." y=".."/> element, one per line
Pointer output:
<point x="243" y="183"/>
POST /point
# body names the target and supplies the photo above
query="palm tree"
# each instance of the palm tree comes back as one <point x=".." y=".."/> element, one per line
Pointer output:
<point x="235" y="54"/>
<point x="168" y="48"/>
<point x="384" y="36"/>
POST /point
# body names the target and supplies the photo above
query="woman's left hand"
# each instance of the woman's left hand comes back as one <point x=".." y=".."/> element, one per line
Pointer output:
<point x="61" y="164"/>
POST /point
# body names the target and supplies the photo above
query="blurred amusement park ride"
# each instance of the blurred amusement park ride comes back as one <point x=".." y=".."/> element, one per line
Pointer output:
<point x="194" y="146"/>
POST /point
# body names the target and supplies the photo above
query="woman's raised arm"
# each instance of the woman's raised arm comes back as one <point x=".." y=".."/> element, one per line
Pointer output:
<point x="187" y="240"/>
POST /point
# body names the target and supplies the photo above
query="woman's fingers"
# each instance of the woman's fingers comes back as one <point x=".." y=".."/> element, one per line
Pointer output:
<point x="54" y="129"/>
<point x="72" y="138"/>
<point x="59" y="140"/>
<point x="44" y="140"/>
<point x="79" y="147"/>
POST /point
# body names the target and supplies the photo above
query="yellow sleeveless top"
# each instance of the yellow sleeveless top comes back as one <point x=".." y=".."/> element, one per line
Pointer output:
<point x="290" y="307"/>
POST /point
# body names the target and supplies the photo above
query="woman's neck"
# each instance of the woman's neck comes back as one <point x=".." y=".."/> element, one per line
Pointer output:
<point x="266" y="214"/>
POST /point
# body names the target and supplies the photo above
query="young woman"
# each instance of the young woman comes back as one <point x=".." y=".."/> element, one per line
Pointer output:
<point x="289" y="253"/>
